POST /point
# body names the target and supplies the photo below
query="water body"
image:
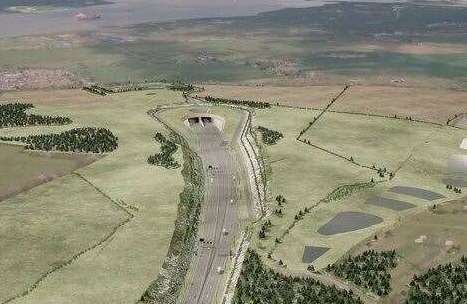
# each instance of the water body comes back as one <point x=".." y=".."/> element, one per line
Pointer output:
<point x="349" y="221"/>
<point x="127" y="12"/>
<point x="312" y="253"/>
<point x="390" y="203"/>
<point x="417" y="192"/>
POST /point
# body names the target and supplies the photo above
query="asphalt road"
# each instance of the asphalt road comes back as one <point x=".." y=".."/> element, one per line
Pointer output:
<point x="219" y="214"/>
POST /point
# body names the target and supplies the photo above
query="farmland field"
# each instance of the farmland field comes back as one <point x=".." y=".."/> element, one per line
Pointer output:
<point x="125" y="178"/>
<point x="329" y="131"/>
<point x="444" y="243"/>
<point x="305" y="183"/>
<point x="291" y="45"/>
<point x="29" y="169"/>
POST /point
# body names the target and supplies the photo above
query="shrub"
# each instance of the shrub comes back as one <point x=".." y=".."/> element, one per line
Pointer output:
<point x="270" y="137"/>
<point x="165" y="157"/>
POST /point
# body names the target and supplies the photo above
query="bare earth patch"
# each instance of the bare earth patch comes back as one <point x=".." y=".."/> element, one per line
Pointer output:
<point x="412" y="48"/>
<point x="23" y="170"/>
<point x="435" y="105"/>
<point x="52" y="97"/>
<point x="36" y="79"/>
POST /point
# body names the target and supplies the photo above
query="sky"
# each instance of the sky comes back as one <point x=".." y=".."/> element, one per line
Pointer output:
<point x="125" y="12"/>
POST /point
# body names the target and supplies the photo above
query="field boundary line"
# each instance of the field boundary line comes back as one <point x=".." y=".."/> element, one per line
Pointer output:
<point x="121" y="205"/>
<point x="394" y="117"/>
<point x="329" y="105"/>
<point x="74" y="258"/>
<point x="349" y="159"/>
<point x="454" y="117"/>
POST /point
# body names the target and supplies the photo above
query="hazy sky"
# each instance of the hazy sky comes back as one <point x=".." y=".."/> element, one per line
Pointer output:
<point x="125" y="12"/>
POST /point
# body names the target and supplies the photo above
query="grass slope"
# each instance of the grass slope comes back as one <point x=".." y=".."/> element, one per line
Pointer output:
<point x="305" y="176"/>
<point x="42" y="228"/>
<point x="29" y="169"/>
<point x="121" y="269"/>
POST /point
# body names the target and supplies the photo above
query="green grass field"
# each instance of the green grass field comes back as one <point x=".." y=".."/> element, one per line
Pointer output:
<point x="116" y="258"/>
<point x="48" y="225"/>
<point x="301" y="174"/>
<point x="29" y="169"/>
<point x="369" y="140"/>
<point x="439" y="226"/>
<point x="120" y="269"/>
<point x="305" y="175"/>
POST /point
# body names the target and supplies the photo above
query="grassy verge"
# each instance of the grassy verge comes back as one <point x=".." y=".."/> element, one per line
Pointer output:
<point x="167" y="286"/>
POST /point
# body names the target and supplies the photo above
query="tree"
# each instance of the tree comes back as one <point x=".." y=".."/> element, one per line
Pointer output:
<point x="369" y="270"/>
<point x="270" y="137"/>
<point x="90" y="140"/>
<point x="259" y="284"/>
<point x="14" y="115"/>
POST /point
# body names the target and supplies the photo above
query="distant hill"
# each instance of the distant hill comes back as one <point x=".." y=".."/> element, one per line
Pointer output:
<point x="5" y="4"/>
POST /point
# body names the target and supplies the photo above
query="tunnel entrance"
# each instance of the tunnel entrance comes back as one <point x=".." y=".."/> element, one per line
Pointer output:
<point x="206" y="120"/>
<point x="201" y="120"/>
<point x="192" y="121"/>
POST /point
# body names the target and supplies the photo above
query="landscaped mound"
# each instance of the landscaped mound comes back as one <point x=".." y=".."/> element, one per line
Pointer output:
<point x="165" y="157"/>
<point x="14" y="115"/>
<point x="257" y="284"/>
<point x="94" y="140"/>
<point x="442" y="284"/>
<point x="369" y="270"/>
<point x="270" y="137"/>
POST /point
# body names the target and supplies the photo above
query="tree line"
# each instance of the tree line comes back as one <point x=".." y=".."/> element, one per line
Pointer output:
<point x="260" y="285"/>
<point x="270" y="137"/>
<point x="92" y="140"/>
<point x="103" y="91"/>
<point x="95" y="89"/>
<point x="165" y="157"/>
<point x="369" y="270"/>
<point x="247" y="103"/>
<point x="14" y="115"/>
<point x="182" y="87"/>
<point x="455" y="189"/>
<point x="441" y="284"/>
